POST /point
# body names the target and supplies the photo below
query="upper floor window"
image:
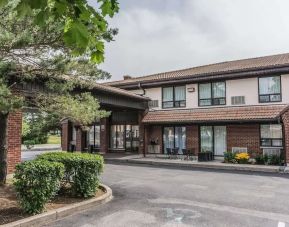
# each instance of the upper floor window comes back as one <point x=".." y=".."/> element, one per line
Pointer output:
<point x="270" y="89"/>
<point x="212" y="94"/>
<point x="271" y="135"/>
<point x="174" y="97"/>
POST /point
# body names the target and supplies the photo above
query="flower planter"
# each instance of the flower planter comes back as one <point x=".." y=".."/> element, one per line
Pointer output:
<point x="205" y="156"/>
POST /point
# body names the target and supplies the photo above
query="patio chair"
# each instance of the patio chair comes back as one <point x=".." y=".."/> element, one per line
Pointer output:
<point x="175" y="152"/>
<point x="185" y="153"/>
<point x="169" y="152"/>
<point x="191" y="153"/>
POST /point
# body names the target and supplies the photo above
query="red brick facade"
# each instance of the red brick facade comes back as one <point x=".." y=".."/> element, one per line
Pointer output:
<point x="244" y="136"/>
<point x="192" y="138"/>
<point x="153" y="133"/>
<point x="14" y="140"/>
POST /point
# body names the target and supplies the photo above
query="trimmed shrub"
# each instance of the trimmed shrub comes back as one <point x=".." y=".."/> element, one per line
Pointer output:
<point x="82" y="171"/>
<point x="36" y="182"/>
<point x="274" y="160"/>
<point x="260" y="159"/>
<point x="230" y="157"/>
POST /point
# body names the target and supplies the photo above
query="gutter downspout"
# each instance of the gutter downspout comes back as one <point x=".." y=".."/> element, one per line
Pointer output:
<point x="140" y="87"/>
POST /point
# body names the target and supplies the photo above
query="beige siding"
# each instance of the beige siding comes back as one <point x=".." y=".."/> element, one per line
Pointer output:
<point x="241" y="87"/>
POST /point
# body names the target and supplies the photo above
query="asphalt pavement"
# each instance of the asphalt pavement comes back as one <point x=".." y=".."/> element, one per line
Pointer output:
<point x="152" y="196"/>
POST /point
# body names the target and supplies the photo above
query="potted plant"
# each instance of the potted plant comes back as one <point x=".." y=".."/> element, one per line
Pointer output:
<point x="243" y="158"/>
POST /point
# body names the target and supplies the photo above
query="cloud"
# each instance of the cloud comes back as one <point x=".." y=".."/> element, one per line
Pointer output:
<point x="163" y="35"/>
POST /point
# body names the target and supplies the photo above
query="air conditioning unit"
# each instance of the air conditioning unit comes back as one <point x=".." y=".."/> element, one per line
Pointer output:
<point x="153" y="103"/>
<point x="271" y="151"/>
<point x="238" y="100"/>
<point x="154" y="149"/>
<point x="239" y="150"/>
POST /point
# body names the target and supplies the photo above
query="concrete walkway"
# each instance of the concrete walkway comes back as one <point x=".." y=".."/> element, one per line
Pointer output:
<point x="42" y="147"/>
<point x="179" y="163"/>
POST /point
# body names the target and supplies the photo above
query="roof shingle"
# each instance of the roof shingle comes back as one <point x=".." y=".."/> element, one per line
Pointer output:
<point x="272" y="61"/>
<point x="218" y="114"/>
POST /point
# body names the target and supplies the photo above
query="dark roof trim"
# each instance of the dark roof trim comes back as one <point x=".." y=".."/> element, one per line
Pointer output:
<point x="213" y="121"/>
<point x="205" y="77"/>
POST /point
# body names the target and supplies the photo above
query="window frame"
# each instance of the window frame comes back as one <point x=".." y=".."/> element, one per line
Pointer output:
<point x="174" y="101"/>
<point x="212" y="99"/>
<point x="269" y="94"/>
<point x="271" y="139"/>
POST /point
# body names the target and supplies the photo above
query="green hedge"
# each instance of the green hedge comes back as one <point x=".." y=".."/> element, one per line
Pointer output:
<point x="36" y="182"/>
<point x="81" y="171"/>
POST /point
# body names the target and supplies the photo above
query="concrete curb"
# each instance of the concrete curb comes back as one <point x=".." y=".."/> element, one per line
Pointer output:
<point x="200" y="165"/>
<point x="53" y="215"/>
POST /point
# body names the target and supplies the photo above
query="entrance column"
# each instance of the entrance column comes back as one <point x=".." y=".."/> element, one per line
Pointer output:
<point x="66" y="134"/>
<point x="104" y="135"/>
<point x="142" y="136"/>
<point x="14" y="132"/>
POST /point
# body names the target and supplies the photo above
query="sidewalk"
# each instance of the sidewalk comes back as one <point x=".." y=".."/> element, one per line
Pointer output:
<point x="217" y="164"/>
<point x="42" y="147"/>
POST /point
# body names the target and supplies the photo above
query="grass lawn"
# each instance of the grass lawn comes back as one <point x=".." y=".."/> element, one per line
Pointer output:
<point x="52" y="139"/>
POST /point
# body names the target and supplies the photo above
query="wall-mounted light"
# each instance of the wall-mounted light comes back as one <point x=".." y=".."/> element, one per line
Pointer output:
<point x="191" y="89"/>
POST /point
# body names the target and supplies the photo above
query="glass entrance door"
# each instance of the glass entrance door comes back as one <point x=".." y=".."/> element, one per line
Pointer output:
<point x="213" y="139"/>
<point x="132" y="138"/>
<point x="174" y="138"/>
<point x="220" y="141"/>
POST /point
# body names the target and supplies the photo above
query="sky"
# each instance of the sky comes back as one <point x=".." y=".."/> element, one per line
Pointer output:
<point x="163" y="35"/>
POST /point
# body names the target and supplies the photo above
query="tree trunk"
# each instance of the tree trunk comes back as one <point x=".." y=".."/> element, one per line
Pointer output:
<point x="3" y="147"/>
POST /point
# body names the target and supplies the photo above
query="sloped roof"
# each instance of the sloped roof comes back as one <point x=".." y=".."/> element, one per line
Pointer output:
<point x="218" y="114"/>
<point x="118" y="91"/>
<point x="250" y="64"/>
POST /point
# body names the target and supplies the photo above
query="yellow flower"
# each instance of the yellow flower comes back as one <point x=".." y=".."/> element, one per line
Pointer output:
<point x="242" y="156"/>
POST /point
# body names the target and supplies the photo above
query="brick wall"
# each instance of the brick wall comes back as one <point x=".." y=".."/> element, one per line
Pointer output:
<point x="192" y="138"/>
<point x="64" y="135"/>
<point x="244" y="136"/>
<point x="14" y="140"/>
<point x="153" y="133"/>
<point x="285" y="119"/>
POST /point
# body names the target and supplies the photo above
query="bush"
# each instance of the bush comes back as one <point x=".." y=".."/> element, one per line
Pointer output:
<point x="36" y="183"/>
<point x="260" y="159"/>
<point x="274" y="160"/>
<point x="242" y="158"/>
<point x="29" y="144"/>
<point x="81" y="171"/>
<point x="230" y="157"/>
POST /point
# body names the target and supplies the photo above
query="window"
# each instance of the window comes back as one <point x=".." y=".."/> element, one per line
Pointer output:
<point x="124" y="137"/>
<point x="174" y="97"/>
<point x="270" y="89"/>
<point x="93" y="136"/>
<point x="271" y="135"/>
<point x="211" y="94"/>
<point x="117" y="136"/>
<point x="174" y="137"/>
